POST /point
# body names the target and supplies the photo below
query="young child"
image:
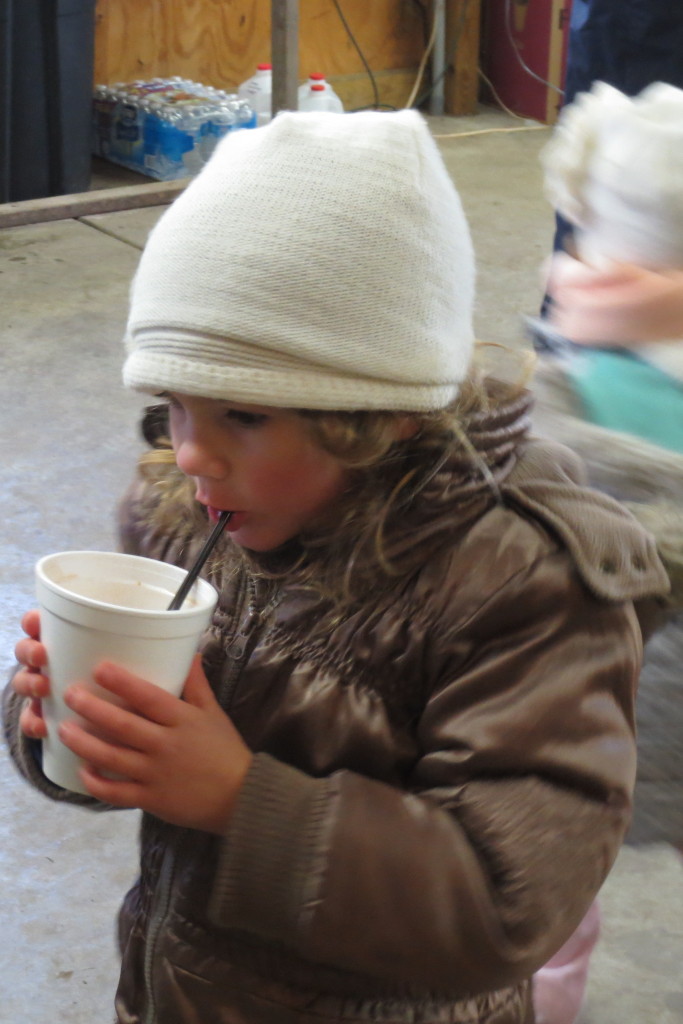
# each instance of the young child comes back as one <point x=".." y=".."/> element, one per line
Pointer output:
<point x="609" y="383"/>
<point x="402" y="767"/>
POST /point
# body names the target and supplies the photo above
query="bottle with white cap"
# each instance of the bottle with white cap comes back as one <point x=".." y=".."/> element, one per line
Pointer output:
<point x="319" y="98"/>
<point x="258" y="92"/>
<point x="305" y="97"/>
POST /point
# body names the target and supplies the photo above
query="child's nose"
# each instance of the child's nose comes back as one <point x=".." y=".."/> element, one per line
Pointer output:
<point x="195" y="457"/>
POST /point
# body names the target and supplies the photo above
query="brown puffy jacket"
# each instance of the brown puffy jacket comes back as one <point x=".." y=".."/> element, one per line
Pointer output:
<point x="443" y="769"/>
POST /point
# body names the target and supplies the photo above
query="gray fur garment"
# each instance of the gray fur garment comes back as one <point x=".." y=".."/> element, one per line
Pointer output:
<point x="649" y="479"/>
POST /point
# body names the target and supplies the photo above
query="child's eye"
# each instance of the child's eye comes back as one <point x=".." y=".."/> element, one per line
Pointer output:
<point x="246" y="419"/>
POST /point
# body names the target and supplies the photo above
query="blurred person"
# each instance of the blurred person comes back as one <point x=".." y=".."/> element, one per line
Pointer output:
<point x="628" y="44"/>
<point x="609" y="384"/>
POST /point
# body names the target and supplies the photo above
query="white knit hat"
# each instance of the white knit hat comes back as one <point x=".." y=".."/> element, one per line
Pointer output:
<point x="614" y="168"/>
<point x="323" y="261"/>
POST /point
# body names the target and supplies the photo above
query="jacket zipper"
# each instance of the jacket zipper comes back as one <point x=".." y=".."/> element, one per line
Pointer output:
<point x="254" y="613"/>
<point x="164" y="888"/>
<point x="162" y="899"/>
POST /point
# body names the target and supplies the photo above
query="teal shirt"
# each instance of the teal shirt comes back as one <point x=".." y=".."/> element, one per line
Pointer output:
<point x="622" y="392"/>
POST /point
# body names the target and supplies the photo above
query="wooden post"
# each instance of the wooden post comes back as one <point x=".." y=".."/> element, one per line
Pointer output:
<point x="462" y="51"/>
<point x="285" y="54"/>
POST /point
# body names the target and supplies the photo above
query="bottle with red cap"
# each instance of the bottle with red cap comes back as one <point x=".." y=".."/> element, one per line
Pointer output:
<point x="258" y="92"/>
<point x="318" y="94"/>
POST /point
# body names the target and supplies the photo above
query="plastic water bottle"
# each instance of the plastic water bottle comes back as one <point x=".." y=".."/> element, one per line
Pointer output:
<point x="319" y="97"/>
<point x="258" y="92"/>
<point x="151" y="134"/>
<point x="104" y="111"/>
<point x="222" y="120"/>
<point x="194" y="125"/>
<point x="316" y="78"/>
<point x="246" y="115"/>
<point x="128" y="129"/>
<point x="175" y="143"/>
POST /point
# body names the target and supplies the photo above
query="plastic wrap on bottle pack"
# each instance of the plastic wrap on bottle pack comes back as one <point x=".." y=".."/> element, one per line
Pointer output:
<point x="166" y="128"/>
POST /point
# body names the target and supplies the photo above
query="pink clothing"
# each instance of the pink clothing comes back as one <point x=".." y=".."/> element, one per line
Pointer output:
<point x="617" y="305"/>
<point x="560" y="985"/>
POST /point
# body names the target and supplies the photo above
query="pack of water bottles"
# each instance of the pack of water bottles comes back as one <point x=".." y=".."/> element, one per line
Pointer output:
<point x="166" y="128"/>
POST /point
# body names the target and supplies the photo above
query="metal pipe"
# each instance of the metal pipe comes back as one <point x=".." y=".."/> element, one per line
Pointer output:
<point x="284" y="54"/>
<point x="436" y="101"/>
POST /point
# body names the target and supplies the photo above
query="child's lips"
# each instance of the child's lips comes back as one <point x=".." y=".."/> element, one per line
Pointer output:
<point x="233" y="524"/>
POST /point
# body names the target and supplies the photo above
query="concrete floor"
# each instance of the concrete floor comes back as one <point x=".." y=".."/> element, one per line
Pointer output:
<point x="68" y="440"/>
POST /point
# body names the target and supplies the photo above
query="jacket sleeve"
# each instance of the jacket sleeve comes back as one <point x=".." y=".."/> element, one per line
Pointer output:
<point x="475" y="874"/>
<point x="27" y="755"/>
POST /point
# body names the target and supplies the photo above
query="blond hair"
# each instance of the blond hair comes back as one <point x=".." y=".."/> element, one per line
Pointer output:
<point x="385" y="477"/>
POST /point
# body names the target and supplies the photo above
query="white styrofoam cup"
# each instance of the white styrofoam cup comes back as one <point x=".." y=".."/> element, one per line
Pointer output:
<point x="97" y="606"/>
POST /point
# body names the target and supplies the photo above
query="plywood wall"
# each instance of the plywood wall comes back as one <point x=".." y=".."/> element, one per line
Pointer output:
<point x="220" y="42"/>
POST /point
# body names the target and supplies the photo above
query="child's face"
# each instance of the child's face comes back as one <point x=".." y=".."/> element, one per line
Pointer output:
<point x="259" y="462"/>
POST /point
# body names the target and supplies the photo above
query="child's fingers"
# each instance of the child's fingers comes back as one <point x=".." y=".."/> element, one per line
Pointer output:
<point x="141" y="696"/>
<point x="30" y="652"/>
<point x="197" y="690"/>
<point x="114" y="724"/>
<point x="101" y="755"/>
<point x="118" y="793"/>
<point x="28" y="682"/>
<point x="31" y="721"/>
<point x="30" y="623"/>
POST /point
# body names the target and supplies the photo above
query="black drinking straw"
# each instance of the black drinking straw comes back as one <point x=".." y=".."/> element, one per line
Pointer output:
<point x="185" y="586"/>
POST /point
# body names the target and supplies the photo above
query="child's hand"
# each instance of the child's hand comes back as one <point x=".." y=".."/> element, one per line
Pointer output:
<point x="29" y="681"/>
<point x="182" y="760"/>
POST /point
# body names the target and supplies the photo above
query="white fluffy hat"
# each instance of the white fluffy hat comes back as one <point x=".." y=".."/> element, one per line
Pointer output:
<point x="614" y="168"/>
<point x="323" y="261"/>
